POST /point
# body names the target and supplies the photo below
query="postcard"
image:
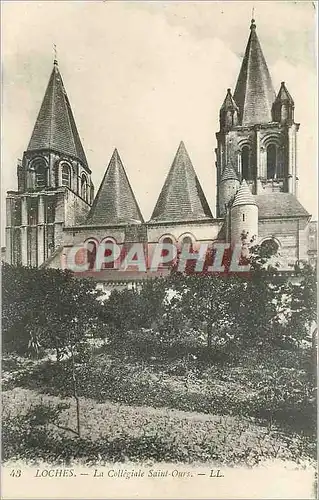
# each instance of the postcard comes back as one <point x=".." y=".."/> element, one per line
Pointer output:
<point x="159" y="250"/>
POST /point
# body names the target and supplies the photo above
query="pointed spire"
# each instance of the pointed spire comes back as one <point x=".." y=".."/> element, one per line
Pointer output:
<point x="182" y="197"/>
<point x="228" y="114"/>
<point x="229" y="102"/>
<point x="283" y="95"/>
<point x="55" y="126"/>
<point x="115" y="202"/>
<point x="254" y="93"/>
<point x="243" y="196"/>
<point x="283" y="108"/>
<point x="229" y="173"/>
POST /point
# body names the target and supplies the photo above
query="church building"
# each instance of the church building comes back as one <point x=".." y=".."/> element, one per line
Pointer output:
<point x="55" y="206"/>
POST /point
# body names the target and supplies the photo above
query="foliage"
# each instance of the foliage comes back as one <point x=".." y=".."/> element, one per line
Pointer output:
<point x="264" y="306"/>
<point x="114" y="434"/>
<point x="133" y="309"/>
<point x="45" y="309"/>
<point x="233" y="348"/>
<point x="273" y="387"/>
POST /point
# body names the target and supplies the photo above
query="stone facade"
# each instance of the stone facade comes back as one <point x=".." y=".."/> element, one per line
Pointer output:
<point x="257" y="183"/>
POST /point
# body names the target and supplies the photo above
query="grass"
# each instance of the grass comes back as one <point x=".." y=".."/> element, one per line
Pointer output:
<point x="117" y="432"/>
<point x="180" y="410"/>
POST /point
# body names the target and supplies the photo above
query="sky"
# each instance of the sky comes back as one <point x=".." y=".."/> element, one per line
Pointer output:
<point x="142" y="76"/>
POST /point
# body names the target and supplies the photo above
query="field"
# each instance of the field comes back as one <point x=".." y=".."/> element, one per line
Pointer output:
<point x="137" y="406"/>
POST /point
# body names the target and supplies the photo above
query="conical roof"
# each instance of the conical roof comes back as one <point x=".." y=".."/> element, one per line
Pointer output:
<point x="229" y="174"/>
<point x="283" y="95"/>
<point x="115" y="202"/>
<point x="182" y="197"/>
<point x="229" y="102"/>
<point x="55" y="126"/>
<point x="243" y="196"/>
<point x="254" y="93"/>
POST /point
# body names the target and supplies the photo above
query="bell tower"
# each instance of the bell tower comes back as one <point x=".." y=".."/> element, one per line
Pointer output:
<point x="54" y="182"/>
<point x="258" y="134"/>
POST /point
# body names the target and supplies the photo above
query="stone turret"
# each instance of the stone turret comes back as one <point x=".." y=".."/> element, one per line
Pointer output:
<point x="54" y="182"/>
<point x="283" y="108"/>
<point x="243" y="215"/>
<point x="228" y="114"/>
<point x="228" y="187"/>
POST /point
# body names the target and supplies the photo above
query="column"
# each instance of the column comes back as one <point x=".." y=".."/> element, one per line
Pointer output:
<point x="40" y="230"/>
<point x="24" y="231"/>
<point x="296" y="159"/>
<point x="24" y="211"/>
<point x="8" y="246"/>
<point x="258" y="155"/>
<point x="290" y="160"/>
<point x="9" y="208"/>
<point x="24" y="245"/>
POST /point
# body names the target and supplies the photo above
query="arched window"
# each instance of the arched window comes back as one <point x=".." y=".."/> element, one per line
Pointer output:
<point x="32" y="207"/>
<point x="269" y="247"/>
<point x="84" y="188"/>
<point x="39" y="167"/>
<point x="91" y="253"/>
<point x="108" y="252"/>
<point x="187" y="243"/>
<point x="245" y="163"/>
<point x="66" y="175"/>
<point x="165" y="252"/>
<point x="271" y="161"/>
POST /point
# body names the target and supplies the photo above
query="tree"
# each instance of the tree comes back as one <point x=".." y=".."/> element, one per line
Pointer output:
<point x="205" y="301"/>
<point x="49" y="309"/>
<point x="40" y="307"/>
<point x="132" y="309"/>
<point x="263" y="307"/>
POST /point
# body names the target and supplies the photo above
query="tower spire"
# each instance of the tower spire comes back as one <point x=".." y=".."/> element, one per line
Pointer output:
<point x="55" y="127"/>
<point x="254" y="93"/>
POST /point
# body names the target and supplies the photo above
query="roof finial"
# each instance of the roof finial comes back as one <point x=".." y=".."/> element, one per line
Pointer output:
<point x="252" y="24"/>
<point x="55" y="55"/>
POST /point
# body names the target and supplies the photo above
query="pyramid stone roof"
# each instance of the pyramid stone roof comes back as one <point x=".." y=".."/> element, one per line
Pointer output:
<point x="115" y="202"/>
<point x="182" y="197"/>
<point x="55" y="126"/>
<point x="283" y="94"/>
<point x="229" y="173"/>
<point x="254" y="92"/>
<point x="243" y="196"/>
<point x="229" y="102"/>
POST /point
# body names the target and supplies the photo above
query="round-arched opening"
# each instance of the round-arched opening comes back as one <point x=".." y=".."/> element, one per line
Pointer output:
<point x="269" y="247"/>
<point x="186" y="243"/>
<point x="271" y="161"/>
<point x="91" y="247"/>
<point x="167" y="251"/>
<point x="109" y="253"/>
<point x="66" y="175"/>
<point x="84" y="188"/>
<point x="40" y="168"/>
<point x="245" y="163"/>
